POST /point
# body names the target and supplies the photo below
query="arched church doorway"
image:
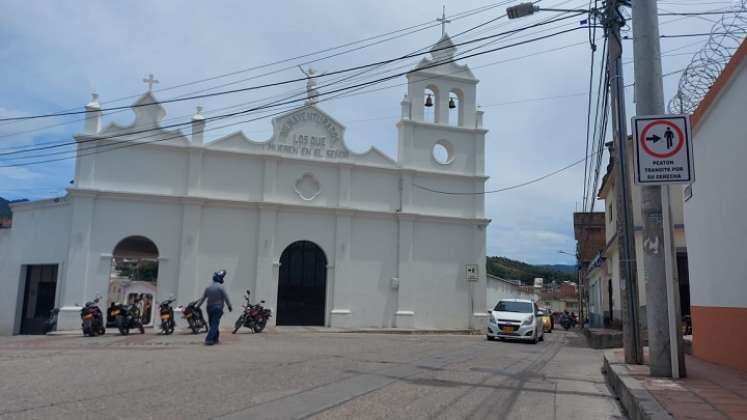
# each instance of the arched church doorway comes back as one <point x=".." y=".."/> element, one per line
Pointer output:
<point x="302" y="285"/>
<point x="134" y="272"/>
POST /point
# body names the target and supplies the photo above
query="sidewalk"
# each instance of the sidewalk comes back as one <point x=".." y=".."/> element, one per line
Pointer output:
<point x="709" y="392"/>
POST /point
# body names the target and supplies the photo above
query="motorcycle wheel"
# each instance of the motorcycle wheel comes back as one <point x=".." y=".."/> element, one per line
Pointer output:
<point x="194" y="327"/>
<point x="87" y="331"/>
<point x="239" y="323"/>
<point x="122" y="326"/>
<point x="141" y="327"/>
<point x="259" y="326"/>
<point x="168" y="326"/>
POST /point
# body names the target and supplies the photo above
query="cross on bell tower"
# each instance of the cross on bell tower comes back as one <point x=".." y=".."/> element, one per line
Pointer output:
<point x="443" y="21"/>
<point x="150" y="81"/>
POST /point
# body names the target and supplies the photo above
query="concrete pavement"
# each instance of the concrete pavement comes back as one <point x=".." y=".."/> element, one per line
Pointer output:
<point x="281" y="375"/>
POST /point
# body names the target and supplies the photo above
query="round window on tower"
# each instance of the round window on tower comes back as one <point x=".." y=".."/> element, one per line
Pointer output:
<point x="443" y="153"/>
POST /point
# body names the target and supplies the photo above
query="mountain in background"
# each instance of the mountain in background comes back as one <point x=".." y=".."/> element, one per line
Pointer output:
<point x="563" y="268"/>
<point x="511" y="269"/>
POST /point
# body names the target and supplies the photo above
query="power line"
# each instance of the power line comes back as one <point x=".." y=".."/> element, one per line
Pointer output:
<point x="292" y="101"/>
<point x="512" y="187"/>
<point x="428" y="24"/>
<point x="266" y="85"/>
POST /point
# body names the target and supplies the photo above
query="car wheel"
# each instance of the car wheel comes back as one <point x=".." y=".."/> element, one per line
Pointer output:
<point x="535" y="339"/>
<point x="490" y="338"/>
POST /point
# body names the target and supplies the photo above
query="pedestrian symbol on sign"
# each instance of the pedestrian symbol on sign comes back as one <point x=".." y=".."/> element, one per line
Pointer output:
<point x="669" y="135"/>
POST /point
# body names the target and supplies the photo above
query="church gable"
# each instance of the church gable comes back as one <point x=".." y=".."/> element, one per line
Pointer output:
<point x="146" y="127"/>
<point x="306" y="133"/>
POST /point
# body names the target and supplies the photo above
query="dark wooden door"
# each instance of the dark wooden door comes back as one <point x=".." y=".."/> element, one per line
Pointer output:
<point x="39" y="291"/>
<point x="683" y="277"/>
<point x="302" y="285"/>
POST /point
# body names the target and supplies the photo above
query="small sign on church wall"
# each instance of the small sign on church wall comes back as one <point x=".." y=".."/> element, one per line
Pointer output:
<point x="473" y="273"/>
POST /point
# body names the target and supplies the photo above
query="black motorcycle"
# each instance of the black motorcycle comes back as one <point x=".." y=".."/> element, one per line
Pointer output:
<point x="194" y="317"/>
<point x="92" y="319"/>
<point x="167" y="316"/>
<point x="127" y="316"/>
<point x="51" y="324"/>
<point x="254" y="317"/>
<point x="566" y="322"/>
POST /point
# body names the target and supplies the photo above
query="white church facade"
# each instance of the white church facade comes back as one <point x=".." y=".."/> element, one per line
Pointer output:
<point x="324" y="235"/>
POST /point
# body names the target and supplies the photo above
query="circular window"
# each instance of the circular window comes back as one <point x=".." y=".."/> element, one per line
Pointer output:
<point x="442" y="152"/>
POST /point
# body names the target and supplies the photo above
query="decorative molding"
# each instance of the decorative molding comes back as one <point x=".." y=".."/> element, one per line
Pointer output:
<point x="307" y="187"/>
<point x="281" y="206"/>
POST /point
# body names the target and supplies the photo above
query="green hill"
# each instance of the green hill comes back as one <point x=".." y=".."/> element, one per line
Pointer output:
<point x="517" y="270"/>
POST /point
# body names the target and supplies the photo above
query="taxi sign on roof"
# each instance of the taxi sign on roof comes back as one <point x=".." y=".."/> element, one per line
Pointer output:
<point x="663" y="150"/>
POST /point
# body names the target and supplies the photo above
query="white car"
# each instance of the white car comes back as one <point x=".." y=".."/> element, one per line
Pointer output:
<point x="518" y="319"/>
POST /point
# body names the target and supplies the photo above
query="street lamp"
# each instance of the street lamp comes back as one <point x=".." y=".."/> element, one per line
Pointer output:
<point x="526" y="9"/>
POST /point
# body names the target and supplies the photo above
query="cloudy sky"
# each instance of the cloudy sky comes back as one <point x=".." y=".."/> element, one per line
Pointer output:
<point x="55" y="54"/>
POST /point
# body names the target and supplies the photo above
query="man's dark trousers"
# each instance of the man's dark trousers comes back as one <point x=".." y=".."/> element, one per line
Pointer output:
<point x="214" y="313"/>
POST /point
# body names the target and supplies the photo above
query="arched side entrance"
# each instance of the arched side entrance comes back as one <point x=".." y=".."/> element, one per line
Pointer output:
<point x="134" y="272"/>
<point x="302" y="285"/>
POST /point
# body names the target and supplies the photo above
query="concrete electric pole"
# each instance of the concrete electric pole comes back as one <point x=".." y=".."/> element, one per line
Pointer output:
<point x="613" y="20"/>
<point x="624" y="223"/>
<point x="658" y="252"/>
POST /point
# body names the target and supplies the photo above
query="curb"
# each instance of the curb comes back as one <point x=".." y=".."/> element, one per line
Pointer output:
<point x="638" y="403"/>
<point x="412" y="332"/>
<point x="327" y="330"/>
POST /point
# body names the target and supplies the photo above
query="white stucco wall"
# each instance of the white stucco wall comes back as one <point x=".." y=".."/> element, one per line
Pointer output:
<point x="498" y="289"/>
<point x="714" y="216"/>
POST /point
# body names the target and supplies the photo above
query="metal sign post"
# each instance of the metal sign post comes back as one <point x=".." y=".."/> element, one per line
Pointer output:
<point x="663" y="156"/>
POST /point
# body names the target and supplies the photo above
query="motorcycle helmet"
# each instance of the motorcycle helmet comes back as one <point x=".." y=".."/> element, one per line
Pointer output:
<point x="219" y="275"/>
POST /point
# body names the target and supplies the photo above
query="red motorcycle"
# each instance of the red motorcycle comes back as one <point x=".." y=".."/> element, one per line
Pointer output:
<point x="254" y="317"/>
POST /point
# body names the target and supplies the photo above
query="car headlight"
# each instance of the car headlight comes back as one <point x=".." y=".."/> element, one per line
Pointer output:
<point x="528" y="321"/>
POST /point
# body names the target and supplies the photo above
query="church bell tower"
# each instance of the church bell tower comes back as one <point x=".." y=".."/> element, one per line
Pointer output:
<point x="441" y="128"/>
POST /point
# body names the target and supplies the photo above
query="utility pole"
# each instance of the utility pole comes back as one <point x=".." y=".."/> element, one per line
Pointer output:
<point x="624" y="222"/>
<point x="658" y="252"/>
<point x="613" y="20"/>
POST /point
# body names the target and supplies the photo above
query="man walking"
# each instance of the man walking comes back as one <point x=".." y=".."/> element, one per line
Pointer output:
<point x="216" y="297"/>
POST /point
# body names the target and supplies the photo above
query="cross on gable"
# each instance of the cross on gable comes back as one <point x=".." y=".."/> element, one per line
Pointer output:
<point x="150" y="81"/>
<point x="443" y="21"/>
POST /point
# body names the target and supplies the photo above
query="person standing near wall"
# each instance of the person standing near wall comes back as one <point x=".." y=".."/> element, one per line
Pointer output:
<point x="216" y="297"/>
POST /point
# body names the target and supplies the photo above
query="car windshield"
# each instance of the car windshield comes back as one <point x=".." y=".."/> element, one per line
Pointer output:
<point x="508" y="306"/>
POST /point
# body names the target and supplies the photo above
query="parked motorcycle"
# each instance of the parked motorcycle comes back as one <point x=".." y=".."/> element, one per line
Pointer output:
<point x="127" y="316"/>
<point x="566" y="322"/>
<point x="51" y="323"/>
<point x="194" y="317"/>
<point x="167" y="316"/>
<point x="254" y="317"/>
<point x="92" y="319"/>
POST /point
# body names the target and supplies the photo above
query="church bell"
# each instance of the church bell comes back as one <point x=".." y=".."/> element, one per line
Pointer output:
<point x="429" y="101"/>
<point x="452" y="105"/>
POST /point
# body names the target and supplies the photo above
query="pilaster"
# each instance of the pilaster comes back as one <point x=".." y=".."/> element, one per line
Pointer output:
<point x="406" y="283"/>
<point x="268" y="262"/>
<point x="341" y="284"/>
<point x="269" y="176"/>
<point x="76" y="289"/>
<point x="188" y="284"/>
<point x="478" y="289"/>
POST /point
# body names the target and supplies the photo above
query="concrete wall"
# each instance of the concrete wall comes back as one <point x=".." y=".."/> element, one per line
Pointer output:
<point x="716" y="228"/>
<point x="498" y="289"/>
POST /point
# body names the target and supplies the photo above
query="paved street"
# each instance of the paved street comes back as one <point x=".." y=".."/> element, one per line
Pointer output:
<point x="301" y="374"/>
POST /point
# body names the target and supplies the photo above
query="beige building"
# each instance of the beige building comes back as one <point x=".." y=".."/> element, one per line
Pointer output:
<point x="604" y="274"/>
